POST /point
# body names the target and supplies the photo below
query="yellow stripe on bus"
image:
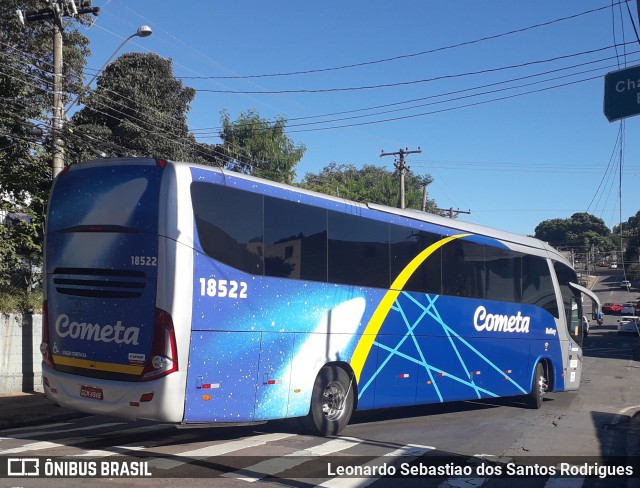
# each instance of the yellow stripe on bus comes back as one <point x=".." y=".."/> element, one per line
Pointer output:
<point x="373" y="327"/>
<point x="97" y="365"/>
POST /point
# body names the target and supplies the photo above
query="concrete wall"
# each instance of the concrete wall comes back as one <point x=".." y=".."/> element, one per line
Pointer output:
<point x="20" y="358"/>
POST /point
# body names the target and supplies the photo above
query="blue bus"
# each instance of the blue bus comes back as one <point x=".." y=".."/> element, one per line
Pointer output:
<point x="189" y="294"/>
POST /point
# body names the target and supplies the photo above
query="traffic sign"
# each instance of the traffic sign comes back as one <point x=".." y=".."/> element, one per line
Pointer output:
<point x="622" y="93"/>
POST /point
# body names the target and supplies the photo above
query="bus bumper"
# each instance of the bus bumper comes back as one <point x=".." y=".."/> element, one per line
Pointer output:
<point x="161" y="400"/>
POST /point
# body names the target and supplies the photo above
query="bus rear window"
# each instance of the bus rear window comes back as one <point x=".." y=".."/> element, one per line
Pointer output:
<point x="108" y="196"/>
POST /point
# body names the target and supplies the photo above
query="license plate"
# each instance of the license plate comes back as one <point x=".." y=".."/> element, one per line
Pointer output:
<point x="91" y="392"/>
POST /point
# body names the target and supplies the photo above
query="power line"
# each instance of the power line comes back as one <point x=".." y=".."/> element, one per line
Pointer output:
<point x="633" y="23"/>
<point x="151" y="127"/>
<point x="448" y="109"/>
<point x="515" y="167"/>
<point x="405" y="83"/>
<point x="401" y="56"/>
<point x="439" y="95"/>
<point x="609" y="165"/>
<point x="324" y="122"/>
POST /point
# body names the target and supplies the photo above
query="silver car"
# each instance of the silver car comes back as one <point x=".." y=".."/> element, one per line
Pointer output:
<point x="628" y="325"/>
<point x="628" y="309"/>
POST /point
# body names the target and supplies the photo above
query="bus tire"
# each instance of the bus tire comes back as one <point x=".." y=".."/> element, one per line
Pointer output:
<point x="538" y="388"/>
<point x="332" y="402"/>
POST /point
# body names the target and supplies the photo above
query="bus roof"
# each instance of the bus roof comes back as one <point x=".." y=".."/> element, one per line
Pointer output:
<point x="469" y="227"/>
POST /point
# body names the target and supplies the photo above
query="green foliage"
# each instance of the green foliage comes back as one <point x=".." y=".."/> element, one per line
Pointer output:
<point x="581" y="230"/>
<point x="369" y="184"/>
<point x="256" y="146"/>
<point x="630" y="229"/>
<point x="630" y="235"/>
<point x="138" y="108"/>
<point x="26" y="101"/>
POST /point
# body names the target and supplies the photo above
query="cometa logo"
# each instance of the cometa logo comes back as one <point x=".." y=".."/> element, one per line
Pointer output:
<point x="95" y="332"/>
<point x="500" y="323"/>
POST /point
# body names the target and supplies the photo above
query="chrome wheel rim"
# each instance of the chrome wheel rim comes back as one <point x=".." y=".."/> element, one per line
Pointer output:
<point x="542" y="386"/>
<point x="333" y="401"/>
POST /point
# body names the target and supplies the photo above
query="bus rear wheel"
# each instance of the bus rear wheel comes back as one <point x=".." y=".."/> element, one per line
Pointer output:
<point x="331" y="402"/>
<point x="539" y="388"/>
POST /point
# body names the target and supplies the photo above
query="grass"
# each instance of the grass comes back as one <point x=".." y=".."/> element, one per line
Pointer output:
<point x="12" y="301"/>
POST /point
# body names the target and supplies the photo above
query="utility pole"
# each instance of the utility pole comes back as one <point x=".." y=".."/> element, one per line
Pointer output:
<point x="402" y="168"/>
<point x="453" y="213"/>
<point x="58" y="106"/>
<point x="56" y="11"/>
<point x="423" y="207"/>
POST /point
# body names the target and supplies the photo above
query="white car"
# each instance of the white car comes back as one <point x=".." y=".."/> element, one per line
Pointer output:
<point x="613" y="266"/>
<point x="625" y="285"/>
<point x="628" y="325"/>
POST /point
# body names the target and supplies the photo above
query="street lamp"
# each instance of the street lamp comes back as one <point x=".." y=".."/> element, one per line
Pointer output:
<point x="58" y="155"/>
<point x="143" y="31"/>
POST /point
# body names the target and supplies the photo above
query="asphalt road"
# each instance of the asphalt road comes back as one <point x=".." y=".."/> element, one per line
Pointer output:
<point x="589" y="425"/>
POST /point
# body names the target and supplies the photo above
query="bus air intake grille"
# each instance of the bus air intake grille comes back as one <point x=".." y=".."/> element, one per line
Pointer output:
<point x="99" y="283"/>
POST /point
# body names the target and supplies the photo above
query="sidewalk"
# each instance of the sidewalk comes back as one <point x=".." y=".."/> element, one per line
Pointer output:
<point x="24" y="409"/>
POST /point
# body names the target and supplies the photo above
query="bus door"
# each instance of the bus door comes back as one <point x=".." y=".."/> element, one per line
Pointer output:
<point x="272" y="392"/>
<point x="572" y="352"/>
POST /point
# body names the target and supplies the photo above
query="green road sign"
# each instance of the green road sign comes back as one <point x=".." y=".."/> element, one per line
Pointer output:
<point x="622" y="93"/>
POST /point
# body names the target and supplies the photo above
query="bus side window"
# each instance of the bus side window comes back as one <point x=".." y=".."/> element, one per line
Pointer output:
<point x="229" y="224"/>
<point x="358" y="251"/>
<point x="464" y="271"/>
<point x="295" y="239"/>
<point x="406" y="244"/>
<point x="504" y="271"/>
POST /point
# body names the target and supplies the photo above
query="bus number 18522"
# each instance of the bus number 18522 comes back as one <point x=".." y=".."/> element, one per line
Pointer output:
<point x="223" y="288"/>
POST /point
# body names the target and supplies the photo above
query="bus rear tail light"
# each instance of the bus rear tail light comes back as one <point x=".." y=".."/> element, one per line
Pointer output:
<point x="145" y="397"/>
<point x="164" y="351"/>
<point x="45" y="349"/>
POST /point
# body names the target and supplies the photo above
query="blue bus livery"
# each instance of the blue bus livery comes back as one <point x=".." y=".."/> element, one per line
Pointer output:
<point x="184" y="293"/>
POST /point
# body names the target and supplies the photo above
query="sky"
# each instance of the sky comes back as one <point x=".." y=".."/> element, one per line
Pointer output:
<point x="504" y="98"/>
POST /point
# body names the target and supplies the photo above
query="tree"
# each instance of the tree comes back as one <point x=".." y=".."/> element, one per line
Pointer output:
<point x="138" y="108"/>
<point x="552" y="231"/>
<point x="369" y="184"/>
<point x="581" y="230"/>
<point x="630" y="235"/>
<point x="256" y="146"/>
<point x="26" y="101"/>
<point x="630" y="229"/>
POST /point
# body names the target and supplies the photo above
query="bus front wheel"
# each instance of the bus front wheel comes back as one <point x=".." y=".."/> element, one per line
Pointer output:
<point x="539" y="387"/>
<point x="331" y="402"/>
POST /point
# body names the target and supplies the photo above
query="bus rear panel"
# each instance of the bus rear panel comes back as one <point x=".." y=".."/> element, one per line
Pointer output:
<point x="106" y="342"/>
